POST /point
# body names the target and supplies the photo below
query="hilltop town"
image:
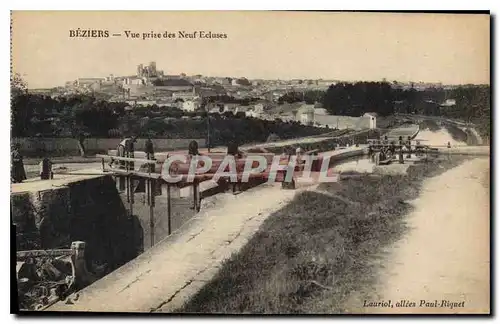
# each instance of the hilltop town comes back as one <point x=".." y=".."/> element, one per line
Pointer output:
<point x="258" y="98"/>
<point x="153" y="103"/>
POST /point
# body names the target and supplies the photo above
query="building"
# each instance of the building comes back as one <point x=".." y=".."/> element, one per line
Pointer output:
<point x="191" y="95"/>
<point x="134" y="81"/>
<point x="46" y="92"/>
<point x="241" y="109"/>
<point x="258" y="107"/>
<point x="276" y="94"/>
<point x="175" y="85"/>
<point x="449" y="103"/>
<point x="172" y="77"/>
<point x="253" y="113"/>
<point x="372" y="119"/>
<point x="136" y="88"/>
<point x="148" y="71"/>
<point x="152" y="68"/>
<point x="223" y="81"/>
<point x="140" y="70"/>
<point x="287" y="117"/>
<point x="207" y="92"/>
<point x="320" y="111"/>
<point x="230" y="107"/>
<point x="191" y="105"/>
<point x="261" y="106"/>
<point x="214" y="110"/>
<point x="308" y="115"/>
<point x="144" y="103"/>
<point x="305" y="115"/>
<point x="89" y="81"/>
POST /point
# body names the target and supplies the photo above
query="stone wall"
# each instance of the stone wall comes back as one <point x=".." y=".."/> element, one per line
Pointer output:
<point x="69" y="146"/>
<point x="344" y="122"/>
<point x="89" y="210"/>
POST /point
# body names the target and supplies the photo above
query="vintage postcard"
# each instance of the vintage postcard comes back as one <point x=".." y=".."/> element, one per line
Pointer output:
<point x="250" y="162"/>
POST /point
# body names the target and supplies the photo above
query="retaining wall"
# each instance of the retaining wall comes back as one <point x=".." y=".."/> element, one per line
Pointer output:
<point x="467" y="150"/>
<point x="88" y="210"/>
<point x="69" y="146"/>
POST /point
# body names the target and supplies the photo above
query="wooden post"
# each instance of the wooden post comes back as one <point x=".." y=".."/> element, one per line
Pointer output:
<point x="131" y="193"/>
<point x="151" y="211"/>
<point x="127" y="182"/>
<point x="195" y="195"/>
<point x="121" y="183"/>
<point x="150" y="183"/>
<point x="169" y="209"/>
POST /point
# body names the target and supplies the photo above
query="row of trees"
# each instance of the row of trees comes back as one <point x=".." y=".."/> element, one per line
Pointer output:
<point x="38" y="115"/>
<point x="357" y="98"/>
<point x="472" y="102"/>
<point x="226" y="129"/>
<point x="310" y="97"/>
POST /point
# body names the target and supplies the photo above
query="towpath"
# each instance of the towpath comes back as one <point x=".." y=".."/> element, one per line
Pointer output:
<point x="446" y="254"/>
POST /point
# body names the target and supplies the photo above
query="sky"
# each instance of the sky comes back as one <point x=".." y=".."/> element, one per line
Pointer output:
<point x="447" y="48"/>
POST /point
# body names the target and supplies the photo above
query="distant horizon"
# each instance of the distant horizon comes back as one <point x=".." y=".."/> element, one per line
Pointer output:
<point x="452" y="49"/>
<point x="267" y="79"/>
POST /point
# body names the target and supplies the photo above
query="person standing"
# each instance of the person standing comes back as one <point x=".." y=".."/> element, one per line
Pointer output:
<point x="418" y="149"/>
<point x="46" y="169"/>
<point x="233" y="149"/>
<point x="409" y="147"/>
<point x="392" y="148"/>
<point x="400" y="141"/>
<point x="386" y="141"/>
<point x="193" y="148"/>
<point x="121" y="152"/>
<point x="299" y="154"/>
<point x="149" y="149"/>
<point x="150" y="153"/>
<point x="17" y="174"/>
<point x="400" y="155"/>
<point x="129" y="151"/>
<point x="81" y="140"/>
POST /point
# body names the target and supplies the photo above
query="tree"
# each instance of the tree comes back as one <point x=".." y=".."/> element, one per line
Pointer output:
<point x="21" y="110"/>
<point x="243" y="82"/>
<point x="17" y="85"/>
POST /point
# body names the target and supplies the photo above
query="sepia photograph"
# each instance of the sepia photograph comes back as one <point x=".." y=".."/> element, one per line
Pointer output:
<point x="250" y="162"/>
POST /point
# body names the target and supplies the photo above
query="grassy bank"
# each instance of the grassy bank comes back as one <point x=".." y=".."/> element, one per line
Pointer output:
<point x="313" y="255"/>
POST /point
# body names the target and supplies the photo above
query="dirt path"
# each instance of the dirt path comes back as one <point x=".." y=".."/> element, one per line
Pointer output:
<point x="32" y="171"/>
<point x="441" y="137"/>
<point x="445" y="255"/>
<point x="163" y="277"/>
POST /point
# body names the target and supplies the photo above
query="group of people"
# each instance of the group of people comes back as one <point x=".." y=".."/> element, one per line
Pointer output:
<point x="127" y="146"/>
<point x="232" y="149"/>
<point x="388" y="148"/>
<point x="126" y="149"/>
<point x="17" y="172"/>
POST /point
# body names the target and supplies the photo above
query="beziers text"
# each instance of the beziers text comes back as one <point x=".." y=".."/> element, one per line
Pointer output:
<point x="88" y="33"/>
